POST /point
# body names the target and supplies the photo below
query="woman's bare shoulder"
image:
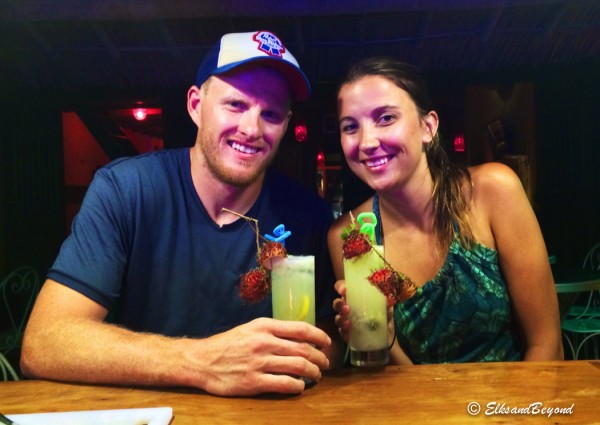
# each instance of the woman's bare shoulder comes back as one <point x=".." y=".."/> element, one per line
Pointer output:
<point x="497" y="191"/>
<point x="494" y="179"/>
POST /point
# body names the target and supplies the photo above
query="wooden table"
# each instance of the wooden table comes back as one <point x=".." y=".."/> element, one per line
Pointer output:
<point x="396" y="394"/>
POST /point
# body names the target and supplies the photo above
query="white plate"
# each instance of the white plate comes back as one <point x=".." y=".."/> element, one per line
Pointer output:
<point x="150" y="416"/>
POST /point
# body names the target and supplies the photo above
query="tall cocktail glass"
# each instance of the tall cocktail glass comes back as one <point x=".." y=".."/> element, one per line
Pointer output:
<point x="293" y="288"/>
<point x="368" y="310"/>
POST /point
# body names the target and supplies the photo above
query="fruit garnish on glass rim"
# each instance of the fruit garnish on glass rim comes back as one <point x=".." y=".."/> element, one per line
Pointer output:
<point x="267" y="251"/>
<point x="255" y="284"/>
<point x="359" y="241"/>
<point x="355" y="244"/>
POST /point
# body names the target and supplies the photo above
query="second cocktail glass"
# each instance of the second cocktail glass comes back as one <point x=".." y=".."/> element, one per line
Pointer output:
<point x="368" y="310"/>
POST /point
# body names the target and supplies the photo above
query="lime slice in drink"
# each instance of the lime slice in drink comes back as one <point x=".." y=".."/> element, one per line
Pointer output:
<point x="304" y="310"/>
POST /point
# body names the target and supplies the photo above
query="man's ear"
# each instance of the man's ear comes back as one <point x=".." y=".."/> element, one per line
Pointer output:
<point x="287" y="120"/>
<point x="194" y="96"/>
<point x="431" y="123"/>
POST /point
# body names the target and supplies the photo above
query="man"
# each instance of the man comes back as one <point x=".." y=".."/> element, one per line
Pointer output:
<point x="153" y="249"/>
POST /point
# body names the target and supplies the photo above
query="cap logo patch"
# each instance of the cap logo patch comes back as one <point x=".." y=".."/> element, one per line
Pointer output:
<point x="269" y="43"/>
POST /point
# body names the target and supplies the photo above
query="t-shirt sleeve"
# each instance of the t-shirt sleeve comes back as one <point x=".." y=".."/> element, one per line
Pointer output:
<point x="92" y="259"/>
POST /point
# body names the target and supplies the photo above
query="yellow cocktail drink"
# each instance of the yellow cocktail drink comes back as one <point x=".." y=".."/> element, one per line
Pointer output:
<point x="293" y="288"/>
<point x="368" y="311"/>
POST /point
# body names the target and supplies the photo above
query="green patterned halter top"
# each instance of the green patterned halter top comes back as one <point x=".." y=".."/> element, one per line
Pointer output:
<point x="462" y="315"/>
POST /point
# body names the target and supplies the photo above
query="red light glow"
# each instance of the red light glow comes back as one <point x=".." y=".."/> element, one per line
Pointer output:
<point x="140" y="114"/>
<point x="300" y="131"/>
<point x="321" y="159"/>
<point x="459" y="143"/>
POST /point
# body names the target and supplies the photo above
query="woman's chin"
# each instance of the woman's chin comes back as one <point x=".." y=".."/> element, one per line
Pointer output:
<point x="379" y="184"/>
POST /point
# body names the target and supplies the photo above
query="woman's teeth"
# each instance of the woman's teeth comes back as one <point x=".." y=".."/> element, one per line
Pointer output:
<point x="376" y="162"/>
<point x="243" y="148"/>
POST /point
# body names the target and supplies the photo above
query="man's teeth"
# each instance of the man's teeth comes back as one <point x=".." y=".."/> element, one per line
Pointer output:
<point x="376" y="162"/>
<point x="243" y="148"/>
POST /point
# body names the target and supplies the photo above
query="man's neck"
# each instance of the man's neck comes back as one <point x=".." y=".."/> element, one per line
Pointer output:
<point x="216" y="195"/>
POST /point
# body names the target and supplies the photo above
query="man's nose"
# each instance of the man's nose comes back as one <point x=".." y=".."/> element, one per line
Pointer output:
<point x="250" y="124"/>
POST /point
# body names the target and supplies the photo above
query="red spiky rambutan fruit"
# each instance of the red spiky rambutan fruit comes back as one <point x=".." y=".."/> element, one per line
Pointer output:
<point x="355" y="244"/>
<point x="269" y="250"/>
<point x="255" y="285"/>
<point x="392" y="284"/>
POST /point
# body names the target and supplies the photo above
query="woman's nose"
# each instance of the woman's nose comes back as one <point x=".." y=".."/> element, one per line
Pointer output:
<point x="368" y="139"/>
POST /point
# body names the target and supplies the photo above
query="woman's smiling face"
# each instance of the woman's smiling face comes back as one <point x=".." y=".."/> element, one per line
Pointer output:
<point x="382" y="132"/>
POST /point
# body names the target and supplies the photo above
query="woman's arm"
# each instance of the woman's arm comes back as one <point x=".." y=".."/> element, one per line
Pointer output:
<point x="499" y="199"/>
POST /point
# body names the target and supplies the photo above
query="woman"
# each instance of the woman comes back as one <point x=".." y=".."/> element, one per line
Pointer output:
<point x="468" y="237"/>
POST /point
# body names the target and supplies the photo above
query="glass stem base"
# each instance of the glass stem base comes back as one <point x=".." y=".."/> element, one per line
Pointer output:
<point x="369" y="358"/>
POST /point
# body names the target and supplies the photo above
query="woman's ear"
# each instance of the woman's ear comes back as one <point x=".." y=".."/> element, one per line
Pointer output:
<point x="430" y="124"/>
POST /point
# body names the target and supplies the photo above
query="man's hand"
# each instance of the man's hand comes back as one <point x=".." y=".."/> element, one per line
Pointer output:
<point x="264" y="355"/>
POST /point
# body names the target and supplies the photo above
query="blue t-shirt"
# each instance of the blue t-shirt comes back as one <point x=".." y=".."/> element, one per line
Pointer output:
<point x="144" y="247"/>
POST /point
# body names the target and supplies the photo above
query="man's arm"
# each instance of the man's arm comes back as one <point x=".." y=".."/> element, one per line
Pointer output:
<point x="67" y="339"/>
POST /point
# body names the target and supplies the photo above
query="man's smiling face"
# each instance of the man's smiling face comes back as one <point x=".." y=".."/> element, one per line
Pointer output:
<point x="242" y="118"/>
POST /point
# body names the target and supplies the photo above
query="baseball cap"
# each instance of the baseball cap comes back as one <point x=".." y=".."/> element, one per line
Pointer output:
<point x="236" y="49"/>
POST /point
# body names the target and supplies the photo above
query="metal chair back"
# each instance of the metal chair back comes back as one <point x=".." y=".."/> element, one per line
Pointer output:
<point x="18" y="291"/>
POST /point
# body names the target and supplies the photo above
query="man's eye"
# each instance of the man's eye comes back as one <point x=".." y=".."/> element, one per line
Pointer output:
<point x="235" y="104"/>
<point x="272" y="116"/>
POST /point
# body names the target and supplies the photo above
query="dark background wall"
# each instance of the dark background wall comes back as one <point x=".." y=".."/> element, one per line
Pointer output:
<point x="569" y="153"/>
<point x="32" y="223"/>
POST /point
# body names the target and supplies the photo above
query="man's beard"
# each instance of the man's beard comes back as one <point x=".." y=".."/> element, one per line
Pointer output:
<point x="227" y="175"/>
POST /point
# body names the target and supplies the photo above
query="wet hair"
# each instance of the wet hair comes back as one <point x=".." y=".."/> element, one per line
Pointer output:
<point x="450" y="201"/>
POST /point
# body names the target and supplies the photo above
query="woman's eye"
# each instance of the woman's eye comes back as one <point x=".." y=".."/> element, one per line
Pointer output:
<point x="385" y="119"/>
<point x="348" y="128"/>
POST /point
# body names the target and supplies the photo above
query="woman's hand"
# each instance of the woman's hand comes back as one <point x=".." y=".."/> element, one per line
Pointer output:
<point x="342" y="319"/>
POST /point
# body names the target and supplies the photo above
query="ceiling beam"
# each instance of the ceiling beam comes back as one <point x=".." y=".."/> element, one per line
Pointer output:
<point x="41" y="41"/>
<point x="167" y="35"/>
<point x="77" y="10"/>
<point x="424" y="24"/>
<point x="298" y="36"/>
<point x="552" y="23"/>
<point x="361" y="31"/>
<point x="490" y="25"/>
<point x="106" y="40"/>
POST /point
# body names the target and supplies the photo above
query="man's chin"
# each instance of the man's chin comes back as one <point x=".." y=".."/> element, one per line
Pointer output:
<point x="241" y="179"/>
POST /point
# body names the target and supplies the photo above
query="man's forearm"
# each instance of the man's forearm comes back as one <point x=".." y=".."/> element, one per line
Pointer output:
<point x="84" y="350"/>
